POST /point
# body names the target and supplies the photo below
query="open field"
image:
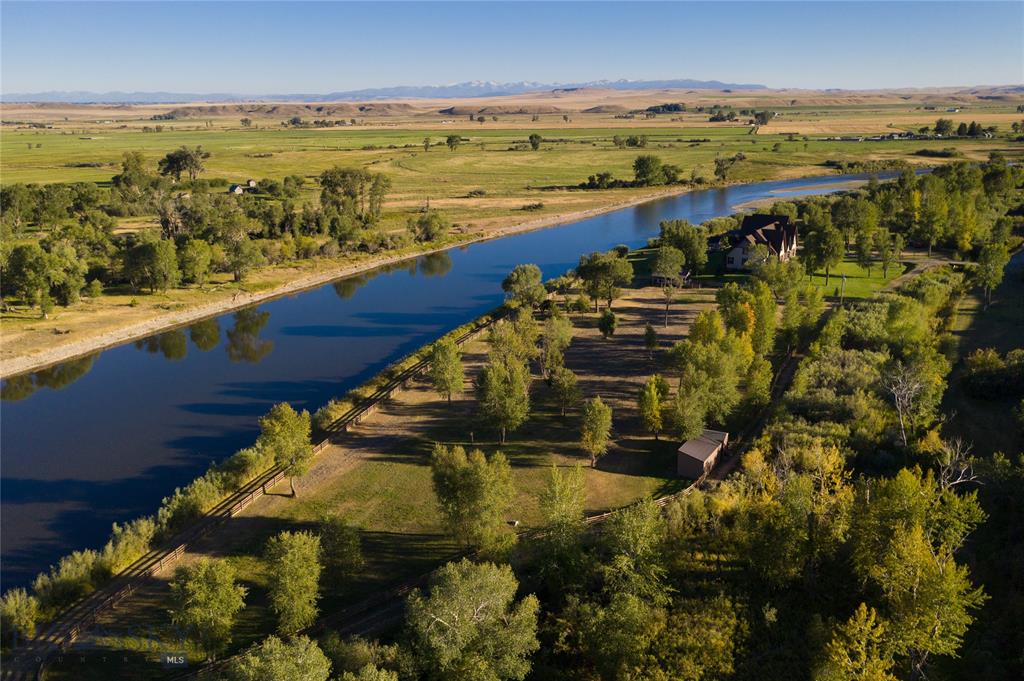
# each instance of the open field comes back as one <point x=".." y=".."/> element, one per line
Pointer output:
<point x="378" y="478"/>
<point x="487" y="187"/>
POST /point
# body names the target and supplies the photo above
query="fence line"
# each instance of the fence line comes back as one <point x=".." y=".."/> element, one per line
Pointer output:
<point x="77" y="618"/>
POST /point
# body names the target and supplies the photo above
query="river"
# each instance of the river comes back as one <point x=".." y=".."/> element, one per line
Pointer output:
<point x="103" y="439"/>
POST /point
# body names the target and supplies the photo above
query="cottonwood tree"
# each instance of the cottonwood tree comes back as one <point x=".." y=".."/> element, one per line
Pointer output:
<point x="446" y="371"/>
<point x="650" y="340"/>
<point x="992" y="263"/>
<point x="205" y="601"/>
<point x="564" y="386"/>
<point x="453" y="142"/>
<point x="555" y="339"/>
<point x="523" y="287"/>
<point x="562" y="503"/>
<point x="297" y="659"/>
<point x="475" y="495"/>
<point x="183" y="160"/>
<point x="503" y="394"/>
<point x="904" y="385"/>
<point x="823" y="249"/>
<point x="687" y="415"/>
<point x="428" y="226"/>
<point x="469" y="624"/>
<point x="294" y="562"/>
<point x="194" y="258"/>
<point x="652" y="397"/>
<point x="286" y="433"/>
<point x="858" y="650"/>
<point x="153" y="263"/>
<point x="692" y="240"/>
<point x="668" y="267"/>
<point x="595" y="428"/>
<point x="603" y="274"/>
<point x="535" y="141"/>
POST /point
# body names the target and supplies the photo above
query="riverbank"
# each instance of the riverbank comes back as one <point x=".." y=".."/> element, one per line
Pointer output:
<point x="23" y="349"/>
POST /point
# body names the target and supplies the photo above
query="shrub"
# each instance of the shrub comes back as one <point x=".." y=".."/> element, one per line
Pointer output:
<point x="75" y="576"/>
<point x="128" y="543"/>
<point x="329" y="413"/>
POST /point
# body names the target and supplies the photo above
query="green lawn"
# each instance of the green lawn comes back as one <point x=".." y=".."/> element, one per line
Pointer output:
<point x="859" y="284"/>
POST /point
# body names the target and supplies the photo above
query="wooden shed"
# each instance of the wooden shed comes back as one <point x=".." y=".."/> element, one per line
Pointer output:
<point x="697" y="456"/>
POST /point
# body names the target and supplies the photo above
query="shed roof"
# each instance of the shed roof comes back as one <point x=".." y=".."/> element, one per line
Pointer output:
<point x="703" y="446"/>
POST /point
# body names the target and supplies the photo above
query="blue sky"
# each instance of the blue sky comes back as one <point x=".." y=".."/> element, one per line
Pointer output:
<point x="274" y="47"/>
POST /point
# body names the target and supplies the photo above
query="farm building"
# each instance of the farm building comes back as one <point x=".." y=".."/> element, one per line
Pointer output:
<point x="697" y="456"/>
<point x="775" y="232"/>
<point x="236" y="189"/>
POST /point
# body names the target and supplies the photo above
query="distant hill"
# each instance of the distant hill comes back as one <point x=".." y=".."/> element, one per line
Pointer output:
<point x="475" y="88"/>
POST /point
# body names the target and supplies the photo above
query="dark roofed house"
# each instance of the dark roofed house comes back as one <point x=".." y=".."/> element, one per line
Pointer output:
<point x="697" y="456"/>
<point x="777" y="233"/>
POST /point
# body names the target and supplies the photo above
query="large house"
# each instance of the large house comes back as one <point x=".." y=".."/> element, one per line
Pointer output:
<point x="777" y="233"/>
<point x="697" y="456"/>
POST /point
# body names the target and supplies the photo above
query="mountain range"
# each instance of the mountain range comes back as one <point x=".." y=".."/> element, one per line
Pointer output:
<point x="475" y="88"/>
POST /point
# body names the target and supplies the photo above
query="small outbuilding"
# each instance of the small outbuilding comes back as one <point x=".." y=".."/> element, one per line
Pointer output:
<point x="697" y="456"/>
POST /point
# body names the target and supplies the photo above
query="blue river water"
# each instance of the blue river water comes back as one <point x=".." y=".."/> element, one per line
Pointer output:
<point x="103" y="439"/>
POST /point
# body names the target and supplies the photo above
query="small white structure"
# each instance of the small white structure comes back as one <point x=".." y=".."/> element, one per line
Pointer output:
<point x="697" y="456"/>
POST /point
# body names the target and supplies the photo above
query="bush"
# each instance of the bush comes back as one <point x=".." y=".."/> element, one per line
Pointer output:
<point x="94" y="289"/>
<point x="329" y="413"/>
<point x="72" y="578"/>
<point x="128" y="543"/>
<point x="989" y="376"/>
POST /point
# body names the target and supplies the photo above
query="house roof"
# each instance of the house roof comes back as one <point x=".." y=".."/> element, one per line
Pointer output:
<point x="776" y="232"/>
<point x="702" y="447"/>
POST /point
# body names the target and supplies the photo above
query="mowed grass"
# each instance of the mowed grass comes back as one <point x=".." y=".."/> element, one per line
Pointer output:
<point x="859" y="283"/>
<point x="987" y="424"/>
<point x="388" y="495"/>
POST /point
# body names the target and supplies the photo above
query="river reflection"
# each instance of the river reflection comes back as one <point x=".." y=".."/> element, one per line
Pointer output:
<point x="56" y="377"/>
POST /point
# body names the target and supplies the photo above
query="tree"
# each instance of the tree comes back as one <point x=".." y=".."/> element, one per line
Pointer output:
<point x="690" y="239"/>
<point x="18" y="615"/>
<point x="934" y="210"/>
<point x="762" y="303"/>
<point x="858" y="650"/>
<point x="246" y="122"/>
<point x="885" y="246"/>
<point x="426" y="144"/>
<point x="562" y="503"/>
<point x="475" y="495"/>
<point x="535" y="141"/>
<point x="30" y="272"/>
<point x="943" y="127"/>
<point x="183" y="160"/>
<point x="759" y="382"/>
<point x="905" y="385"/>
<point x="194" y="259"/>
<point x="298" y="659"/>
<point x="863" y="248"/>
<point x="650" y="340"/>
<point x="429" y="226"/>
<point x="602" y="275"/>
<point x="992" y="263"/>
<point x="294" y="566"/>
<point x="286" y="433"/>
<point x="606" y="323"/>
<point x="446" y="371"/>
<point x="824" y="249"/>
<point x="523" y="287"/>
<point x="453" y="142"/>
<point x="652" y="394"/>
<point x="564" y="386"/>
<point x="668" y="266"/>
<point x="595" y="428"/>
<point x="503" y="394"/>
<point x="648" y="171"/>
<point x="243" y="257"/>
<point x="555" y="339"/>
<point x="470" y="626"/>
<point x="687" y="416"/>
<point x="205" y="601"/>
<point x="154" y="264"/>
